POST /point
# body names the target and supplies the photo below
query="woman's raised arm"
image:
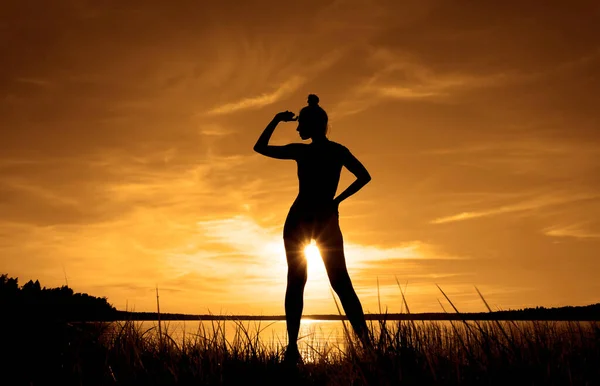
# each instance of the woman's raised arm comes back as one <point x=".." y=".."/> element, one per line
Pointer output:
<point x="262" y="146"/>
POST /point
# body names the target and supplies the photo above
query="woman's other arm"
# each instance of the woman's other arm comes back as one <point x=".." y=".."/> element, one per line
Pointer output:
<point x="357" y="168"/>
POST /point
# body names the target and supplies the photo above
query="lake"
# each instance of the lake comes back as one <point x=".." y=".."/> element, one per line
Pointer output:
<point x="314" y="333"/>
<point x="328" y="336"/>
<point x="270" y="332"/>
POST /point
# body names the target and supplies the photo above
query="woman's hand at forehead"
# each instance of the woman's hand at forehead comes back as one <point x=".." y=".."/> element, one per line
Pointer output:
<point x="286" y="116"/>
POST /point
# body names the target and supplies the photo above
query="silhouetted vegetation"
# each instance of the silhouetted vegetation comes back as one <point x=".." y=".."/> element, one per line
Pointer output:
<point x="39" y="350"/>
<point x="34" y="301"/>
<point x="403" y="353"/>
<point x="575" y="313"/>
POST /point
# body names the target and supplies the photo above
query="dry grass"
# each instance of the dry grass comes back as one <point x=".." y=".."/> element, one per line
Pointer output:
<point x="403" y="353"/>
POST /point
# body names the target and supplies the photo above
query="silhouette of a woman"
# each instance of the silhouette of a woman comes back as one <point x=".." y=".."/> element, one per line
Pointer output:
<point x="314" y="214"/>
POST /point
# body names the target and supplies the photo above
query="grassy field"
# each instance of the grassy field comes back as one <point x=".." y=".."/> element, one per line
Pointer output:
<point x="404" y="352"/>
<point x="37" y="349"/>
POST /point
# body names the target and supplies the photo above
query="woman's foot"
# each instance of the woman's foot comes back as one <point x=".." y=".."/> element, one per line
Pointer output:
<point x="292" y="355"/>
<point x="366" y="341"/>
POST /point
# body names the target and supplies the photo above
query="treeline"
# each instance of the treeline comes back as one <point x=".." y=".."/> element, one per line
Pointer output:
<point x="34" y="301"/>
<point x="579" y="313"/>
<point x="31" y="300"/>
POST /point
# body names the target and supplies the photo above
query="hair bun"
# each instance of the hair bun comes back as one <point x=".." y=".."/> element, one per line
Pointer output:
<point x="313" y="100"/>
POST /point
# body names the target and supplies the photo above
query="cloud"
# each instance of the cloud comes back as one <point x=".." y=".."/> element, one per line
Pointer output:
<point x="527" y="205"/>
<point x="39" y="193"/>
<point x="243" y="234"/>
<point x="34" y="82"/>
<point x="405" y="78"/>
<point x="575" y="231"/>
<point x="526" y="152"/>
<point x="214" y="130"/>
<point x="296" y="72"/>
<point x="121" y="168"/>
<point x="262" y="100"/>
<point x="398" y="75"/>
<point x="249" y="249"/>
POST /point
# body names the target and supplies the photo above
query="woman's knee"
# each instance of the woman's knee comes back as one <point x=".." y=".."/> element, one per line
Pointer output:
<point x="341" y="284"/>
<point x="296" y="285"/>
<point x="297" y="275"/>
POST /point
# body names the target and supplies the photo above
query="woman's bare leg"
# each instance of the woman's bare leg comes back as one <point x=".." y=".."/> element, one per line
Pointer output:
<point x="331" y="246"/>
<point x="294" y="294"/>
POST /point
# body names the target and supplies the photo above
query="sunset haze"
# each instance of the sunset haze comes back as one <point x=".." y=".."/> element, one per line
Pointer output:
<point x="127" y="128"/>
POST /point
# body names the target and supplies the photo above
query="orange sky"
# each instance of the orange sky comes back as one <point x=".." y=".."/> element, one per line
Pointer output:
<point x="126" y="134"/>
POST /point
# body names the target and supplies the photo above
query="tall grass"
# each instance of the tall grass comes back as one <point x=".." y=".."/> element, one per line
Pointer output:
<point x="402" y="353"/>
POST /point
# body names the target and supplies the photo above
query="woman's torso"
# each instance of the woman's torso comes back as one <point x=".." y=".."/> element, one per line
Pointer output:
<point x="319" y="169"/>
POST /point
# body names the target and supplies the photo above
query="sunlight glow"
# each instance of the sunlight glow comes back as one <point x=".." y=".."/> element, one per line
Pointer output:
<point x="311" y="251"/>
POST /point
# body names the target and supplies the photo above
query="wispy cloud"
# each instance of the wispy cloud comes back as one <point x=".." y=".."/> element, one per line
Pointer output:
<point x="405" y="80"/>
<point x="262" y="100"/>
<point x="140" y="171"/>
<point x="12" y="162"/>
<point x="35" y="81"/>
<point x="214" y="130"/>
<point x="575" y="231"/>
<point x="295" y="72"/>
<point x="43" y="193"/>
<point x="243" y="233"/>
<point x="400" y="76"/>
<point x="532" y="204"/>
<point x="530" y="153"/>
<point x="260" y="251"/>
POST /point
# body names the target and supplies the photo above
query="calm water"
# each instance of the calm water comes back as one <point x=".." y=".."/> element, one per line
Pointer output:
<point x="312" y="332"/>
<point x="319" y="335"/>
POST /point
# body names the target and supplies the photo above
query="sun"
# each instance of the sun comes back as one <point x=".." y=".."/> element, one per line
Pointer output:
<point x="313" y="256"/>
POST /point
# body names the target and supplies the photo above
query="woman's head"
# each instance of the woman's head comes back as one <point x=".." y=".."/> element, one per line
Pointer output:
<point x="312" y="120"/>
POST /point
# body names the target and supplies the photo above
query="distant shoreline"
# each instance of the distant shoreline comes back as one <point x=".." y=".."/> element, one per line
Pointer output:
<point x="556" y="314"/>
<point x="31" y="301"/>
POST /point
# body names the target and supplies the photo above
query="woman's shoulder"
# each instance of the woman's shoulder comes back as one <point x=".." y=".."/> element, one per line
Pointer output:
<point x="338" y="147"/>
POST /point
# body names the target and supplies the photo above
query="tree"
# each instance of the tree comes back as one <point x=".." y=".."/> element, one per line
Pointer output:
<point x="33" y="301"/>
